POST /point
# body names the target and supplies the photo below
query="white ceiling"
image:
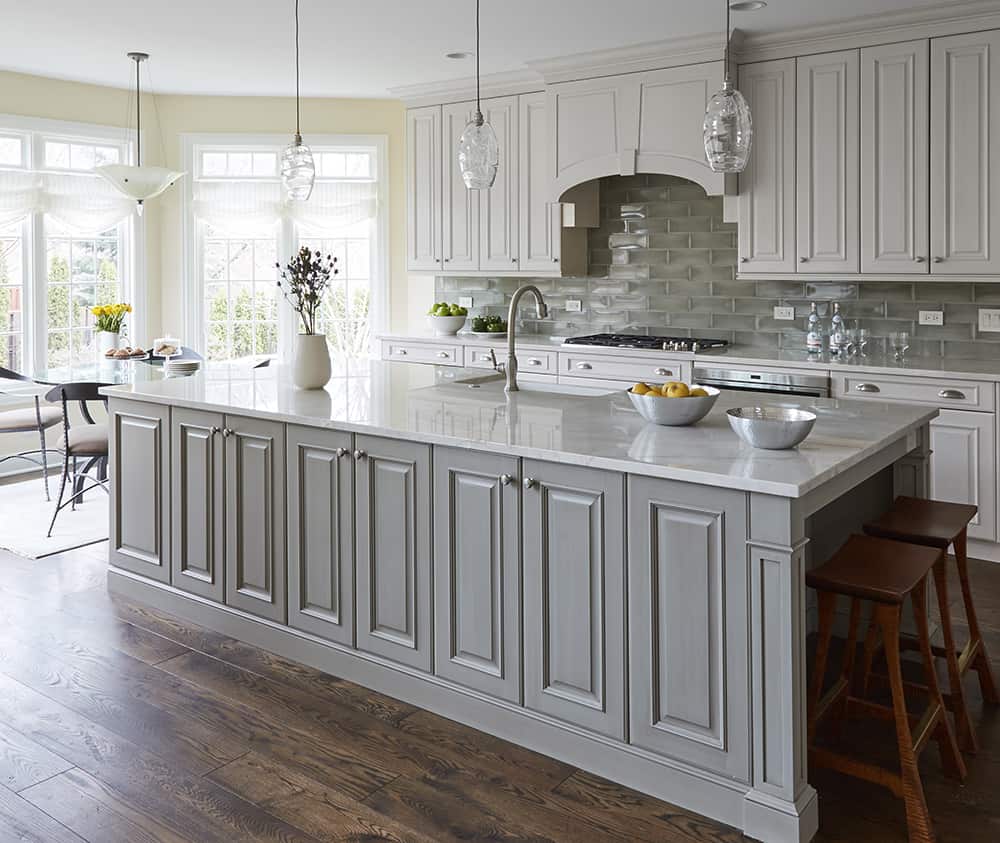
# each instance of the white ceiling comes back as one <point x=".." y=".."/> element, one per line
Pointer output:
<point x="359" y="48"/>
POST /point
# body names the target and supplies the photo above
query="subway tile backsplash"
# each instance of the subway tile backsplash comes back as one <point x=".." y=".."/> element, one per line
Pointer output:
<point x="664" y="261"/>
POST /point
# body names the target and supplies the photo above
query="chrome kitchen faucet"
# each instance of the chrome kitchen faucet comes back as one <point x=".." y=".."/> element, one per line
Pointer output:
<point x="541" y="309"/>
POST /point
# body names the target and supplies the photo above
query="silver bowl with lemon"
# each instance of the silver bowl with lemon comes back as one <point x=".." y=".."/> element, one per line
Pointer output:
<point x="673" y="404"/>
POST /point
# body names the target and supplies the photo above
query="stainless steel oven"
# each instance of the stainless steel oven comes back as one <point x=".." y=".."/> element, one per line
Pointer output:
<point x="755" y="380"/>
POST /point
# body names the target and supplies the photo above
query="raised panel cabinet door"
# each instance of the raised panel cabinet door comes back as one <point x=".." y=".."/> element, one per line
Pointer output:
<point x="895" y="139"/>
<point x="963" y="466"/>
<point x="593" y="129"/>
<point x="255" y="517"/>
<point x="498" y="206"/>
<point x="197" y="548"/>
<point x="321" y="533"/>
<point x="767" y="185"/>
<point x="423" y="189"/>
<point x="139" y="459"/>
<point x="460" y="206"/>
<point x="539" y="219"/>
<point x="672" y="106"/>
<point x="393" y="549"/>
<point x="828" y="151"/>
<point x="477" y="536"/>
<point x="965" y="154"/>
<point x="687" y="624"/>
<point x="574" y="600"/>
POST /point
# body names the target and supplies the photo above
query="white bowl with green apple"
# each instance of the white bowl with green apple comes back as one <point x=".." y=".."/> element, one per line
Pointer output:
<point x="446" y="319"/>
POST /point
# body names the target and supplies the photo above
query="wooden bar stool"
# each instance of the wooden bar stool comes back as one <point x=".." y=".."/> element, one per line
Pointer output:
<point x="883" y="572"/>
<point x="940" y="525"/>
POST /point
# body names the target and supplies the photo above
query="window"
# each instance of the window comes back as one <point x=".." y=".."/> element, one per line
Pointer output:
<point x="240" y="226"/>
<point x="67" y="242"/>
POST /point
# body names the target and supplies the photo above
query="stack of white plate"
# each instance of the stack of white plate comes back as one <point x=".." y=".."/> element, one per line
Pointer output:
<point x="175" y="368"/>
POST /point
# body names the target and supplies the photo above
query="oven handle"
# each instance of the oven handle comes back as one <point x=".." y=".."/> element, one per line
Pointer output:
<point x="773" y="389"/>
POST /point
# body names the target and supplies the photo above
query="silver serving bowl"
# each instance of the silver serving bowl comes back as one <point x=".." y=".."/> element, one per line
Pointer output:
<point x="771" y="428"/>
<point x="675" y="412"/>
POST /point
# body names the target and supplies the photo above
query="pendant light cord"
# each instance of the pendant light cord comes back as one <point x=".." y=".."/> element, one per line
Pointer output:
<point x="728" y="14"/>
<point x="298" y="134"/>
<point x="138" y="117"/>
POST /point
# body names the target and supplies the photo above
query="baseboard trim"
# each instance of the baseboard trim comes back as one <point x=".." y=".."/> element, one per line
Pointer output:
<point x="697" y="790"/>
<point x="990" y="551"/>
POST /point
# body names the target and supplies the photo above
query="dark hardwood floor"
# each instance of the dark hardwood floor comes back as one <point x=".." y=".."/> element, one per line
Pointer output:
<point x="120" y="723"/>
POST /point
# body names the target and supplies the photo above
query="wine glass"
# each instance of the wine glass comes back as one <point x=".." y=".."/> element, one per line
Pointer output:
<point x="900" y="342"/>
<point x="863" y="336"/>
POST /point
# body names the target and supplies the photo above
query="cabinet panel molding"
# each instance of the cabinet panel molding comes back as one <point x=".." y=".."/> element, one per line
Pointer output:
<point x="540" y="220"/>
<point x="498" y="206"/>
<point x="423" y="189"/>
<point x="963" y="466"/>
<point x="459" y="205"/>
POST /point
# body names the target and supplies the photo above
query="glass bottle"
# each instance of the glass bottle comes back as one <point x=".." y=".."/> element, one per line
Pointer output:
<point x="814" y="331"/>
<point x="838" y="336"/>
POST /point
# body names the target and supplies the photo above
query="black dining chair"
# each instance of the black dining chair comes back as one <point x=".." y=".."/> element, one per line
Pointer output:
<point x="35" y="419"/>
<point x="87" y="441"/>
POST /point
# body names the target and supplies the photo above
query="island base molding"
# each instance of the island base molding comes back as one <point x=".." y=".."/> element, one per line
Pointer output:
<point x="759" y="815"/>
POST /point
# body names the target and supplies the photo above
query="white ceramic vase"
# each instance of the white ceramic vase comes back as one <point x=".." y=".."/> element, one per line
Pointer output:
<point x="106" y="340"/>
<point x="311" y="368"/>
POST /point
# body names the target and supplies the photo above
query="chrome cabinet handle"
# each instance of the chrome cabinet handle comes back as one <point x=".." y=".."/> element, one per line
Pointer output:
<point x="663" y="373"/>
<point x="529" y="483"/>
<point x="953" y="394"/>
<point x="341" y="453"/>
<point x="506" y="479"/>
<point x="534" y="361"/>
<point x="920" y="259"/>
<point x="359" y="454"/>
<point x="443" y="354"/>
<point x="867" y="387"/>
<point x="401" y="352"/>
<point x="584" y="366"/>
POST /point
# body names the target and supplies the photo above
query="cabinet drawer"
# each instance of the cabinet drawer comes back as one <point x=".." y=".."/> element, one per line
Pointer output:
<point x="633" y="369"/>
<point x="528" y="362"/>
<point x="442" y="354"/>
<point x="960" y="394"/>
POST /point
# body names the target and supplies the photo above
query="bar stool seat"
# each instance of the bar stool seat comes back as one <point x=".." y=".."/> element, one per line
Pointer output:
<point x="884" y="573"/>
<point x="941" y="524"/>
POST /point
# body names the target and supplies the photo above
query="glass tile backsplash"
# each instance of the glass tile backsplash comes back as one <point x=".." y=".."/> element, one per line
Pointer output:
<point x="664" y="261"/>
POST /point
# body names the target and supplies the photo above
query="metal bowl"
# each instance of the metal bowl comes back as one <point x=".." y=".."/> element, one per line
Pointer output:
<point x="771" y="428"/>
<point x="675" y="412"/>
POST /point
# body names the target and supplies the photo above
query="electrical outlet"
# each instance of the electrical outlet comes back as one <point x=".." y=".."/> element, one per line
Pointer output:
<point x="574" y="306"/>
<point x="931" y="317"/>
<point x="465" y="301"/>
<point x="785" y="314"/>
<point x="989" y="320"/>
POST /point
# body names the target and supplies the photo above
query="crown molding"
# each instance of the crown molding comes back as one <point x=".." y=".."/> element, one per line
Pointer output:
<point x="464" y="89"/>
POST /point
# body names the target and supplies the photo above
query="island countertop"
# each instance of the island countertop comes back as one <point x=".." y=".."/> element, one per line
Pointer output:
<point x="460" y="408"/>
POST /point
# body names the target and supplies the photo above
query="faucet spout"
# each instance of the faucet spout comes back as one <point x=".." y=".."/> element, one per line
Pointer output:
<point x="541" y="311"/>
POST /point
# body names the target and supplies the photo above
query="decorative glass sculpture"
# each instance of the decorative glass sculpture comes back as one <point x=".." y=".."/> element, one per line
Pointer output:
<point x="298" y="172"/>
<point x="478" y="154"/>
<point x="728" y="131"/>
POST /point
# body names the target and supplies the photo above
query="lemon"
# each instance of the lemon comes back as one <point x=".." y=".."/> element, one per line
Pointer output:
<point x="641" y="388"/>
<point x="698" y="392"/>
<point x="678" y="390"/>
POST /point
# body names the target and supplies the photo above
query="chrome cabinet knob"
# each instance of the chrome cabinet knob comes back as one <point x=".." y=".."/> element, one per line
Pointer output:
<point x="529" y="483"/>
<point x="803" y="260"/>
<point x="555" y="260"/>
<point x="867" y="387"/>
<point x="952" y="394"/>
<point x="584" y="366"/>
<point x="663" y="373"/>
<point x="213" y="430"/>
<point x="920" y="259"/>
<point x="359" y="454"/>
<point x="534" y="361"/>
<point x="227" y="432"/>
<point x="506" y="479"/>
<point x="341" y="453"/>
<point x="443" y="355"/>
<point x="744" y="260"/>
<point x="401" y="352"/>
<point x="938" y="259"/>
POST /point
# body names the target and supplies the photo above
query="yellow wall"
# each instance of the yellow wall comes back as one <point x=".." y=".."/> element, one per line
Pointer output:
<point x="36" y="96"/>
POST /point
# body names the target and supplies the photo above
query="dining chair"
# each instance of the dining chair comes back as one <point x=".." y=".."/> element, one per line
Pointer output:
<point x="88" y="441"/>
<point x="35" y="419"/>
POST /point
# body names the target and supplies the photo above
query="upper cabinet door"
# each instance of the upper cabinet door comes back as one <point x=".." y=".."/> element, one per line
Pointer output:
<point x="423" y="189"/>
<point x="540" y="219"/>
<point x="460" y="220"/>
<point x="671" y="110"/>
<point x="828" y="150"/>
<point x="894" y="158"/>
<point x="767" y="185"/>
<point x="965" y="165"/>
<point x="593" y="129"/>
<point x="498" y="205"/>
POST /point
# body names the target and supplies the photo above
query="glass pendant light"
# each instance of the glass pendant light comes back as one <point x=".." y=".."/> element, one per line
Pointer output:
<point x="478" y="150"/>
<point x="138" y="182"/>
<point x="728" y="127"/>
<point x="298" y="172"/>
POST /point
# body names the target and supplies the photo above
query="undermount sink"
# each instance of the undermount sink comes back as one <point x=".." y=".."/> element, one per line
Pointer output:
<point x="496" y="382"/>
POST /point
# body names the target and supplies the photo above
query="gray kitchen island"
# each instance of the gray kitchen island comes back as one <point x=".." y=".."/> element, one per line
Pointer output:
<point x="544" y="566"/>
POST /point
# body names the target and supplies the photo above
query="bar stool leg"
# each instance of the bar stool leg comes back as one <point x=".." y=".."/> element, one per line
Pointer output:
<point x="868" y="654"/>
<point x="951" y="759"/>
<point x="918" y="819"/>
<point x="827" y="609"/>
<point x="966" y="734"/>
<point x="981" y="663"/>
<point x="847" y="667"/>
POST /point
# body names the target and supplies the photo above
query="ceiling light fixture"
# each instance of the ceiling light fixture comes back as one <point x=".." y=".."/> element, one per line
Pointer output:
<point x="135" y="181"/>
<point x="478" y="150"/>
<point x="728" y="126"/>
<point x="298" y="172"/>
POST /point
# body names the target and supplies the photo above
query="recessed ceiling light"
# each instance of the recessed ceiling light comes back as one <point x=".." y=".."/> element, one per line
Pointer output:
<point x="458" y="55"/>
<point x="747" y="5"/>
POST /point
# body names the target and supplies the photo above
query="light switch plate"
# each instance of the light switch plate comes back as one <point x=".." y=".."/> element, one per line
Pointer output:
<point x="989" y="320"/>
<point x="785" y="314"/>
<point x="931" y="317"/>
<point x="574" y="306"/>
<point x="465" y="301"/>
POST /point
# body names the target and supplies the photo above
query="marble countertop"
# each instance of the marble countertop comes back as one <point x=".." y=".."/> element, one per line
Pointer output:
<point x="439" y="405"/>
<point x="936" y="367"/>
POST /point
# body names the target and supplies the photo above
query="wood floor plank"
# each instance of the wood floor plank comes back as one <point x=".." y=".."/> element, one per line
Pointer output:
<point x="23" y="762"/>
<point x="23" y="822"/>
